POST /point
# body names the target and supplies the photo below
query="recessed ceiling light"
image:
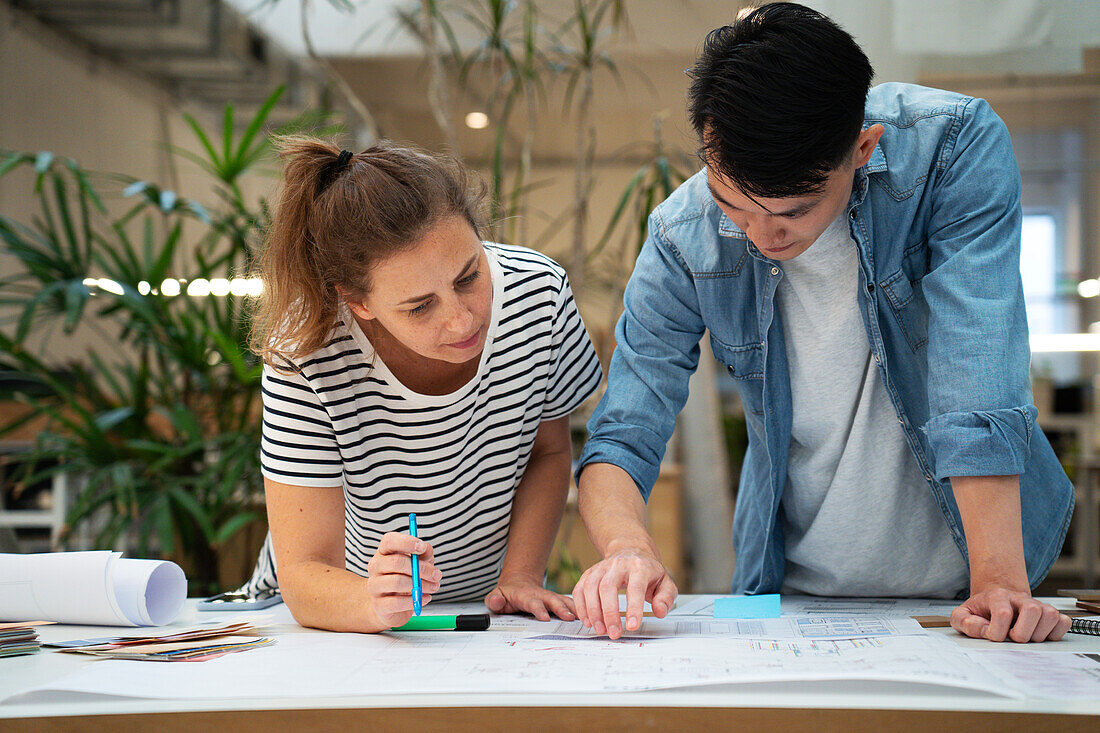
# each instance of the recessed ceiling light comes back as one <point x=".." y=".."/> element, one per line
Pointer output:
<point x="477" y="120"/>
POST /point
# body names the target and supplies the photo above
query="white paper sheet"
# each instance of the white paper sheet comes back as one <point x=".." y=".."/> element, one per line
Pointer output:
<point x="800" y="627"/>
<point x="1051" y="675"/>
<point x="316" y="664"/>
<point x="98" y="588"/>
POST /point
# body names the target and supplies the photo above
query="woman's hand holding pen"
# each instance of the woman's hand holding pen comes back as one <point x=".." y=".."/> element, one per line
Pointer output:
<point x="523" y="594"/>
<point x="389" y="579"/>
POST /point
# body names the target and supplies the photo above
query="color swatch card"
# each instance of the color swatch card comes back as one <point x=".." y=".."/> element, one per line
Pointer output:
<point x="19" y="638"/>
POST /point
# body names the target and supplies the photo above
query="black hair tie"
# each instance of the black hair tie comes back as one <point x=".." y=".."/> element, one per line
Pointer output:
<point x="331" y="172"/>
<point x="342" y="161"/>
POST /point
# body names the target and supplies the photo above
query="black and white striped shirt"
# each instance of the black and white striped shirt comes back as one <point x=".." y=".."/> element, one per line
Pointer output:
<point x="344" y="421"/>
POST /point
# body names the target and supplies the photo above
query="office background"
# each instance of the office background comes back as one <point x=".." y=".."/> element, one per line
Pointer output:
<point x="572" y="110"/>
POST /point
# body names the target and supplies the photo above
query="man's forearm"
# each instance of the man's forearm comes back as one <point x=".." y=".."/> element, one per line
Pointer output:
<point x="613" y="511"/>
<point x="990" y="511"/>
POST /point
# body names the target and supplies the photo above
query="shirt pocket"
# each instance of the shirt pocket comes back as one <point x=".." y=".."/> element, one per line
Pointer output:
<point x="745" y="363"/>
<point x="906" y="299"/>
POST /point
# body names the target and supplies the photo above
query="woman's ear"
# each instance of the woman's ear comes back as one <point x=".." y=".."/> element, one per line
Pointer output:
<point x="358" y="307"/>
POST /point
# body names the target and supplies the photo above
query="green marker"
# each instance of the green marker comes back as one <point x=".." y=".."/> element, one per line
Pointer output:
<point x="470" y="622"/>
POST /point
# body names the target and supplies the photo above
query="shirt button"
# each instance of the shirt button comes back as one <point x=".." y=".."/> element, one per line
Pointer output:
<point x="928" y="476"/>
<point x="775" y="270"/>
<point x="870" y="287"/>
<point x="852" y="213"/>
<point x="876" y="359"/>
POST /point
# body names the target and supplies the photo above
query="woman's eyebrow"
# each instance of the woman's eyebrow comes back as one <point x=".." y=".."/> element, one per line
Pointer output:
<point x="418" y="298"/>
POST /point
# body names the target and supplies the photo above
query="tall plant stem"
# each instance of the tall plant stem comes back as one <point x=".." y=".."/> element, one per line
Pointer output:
<point x="357" y="106"/>
<point x="582" y="182"/>
<point x="439" y="96"/>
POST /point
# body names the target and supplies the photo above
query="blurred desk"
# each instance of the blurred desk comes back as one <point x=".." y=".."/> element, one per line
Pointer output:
<point x="818" y="707"/>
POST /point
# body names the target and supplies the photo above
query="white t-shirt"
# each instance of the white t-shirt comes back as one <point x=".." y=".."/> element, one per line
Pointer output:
<point x="858" y="516"/>
<point x="455" y="460"/>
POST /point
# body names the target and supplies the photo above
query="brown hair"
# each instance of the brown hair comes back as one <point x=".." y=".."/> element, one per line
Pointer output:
<point x="337" y="216"/>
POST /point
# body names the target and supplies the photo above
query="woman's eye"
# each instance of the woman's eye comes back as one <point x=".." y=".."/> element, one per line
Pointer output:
<point x="420" y="309"/>
<point x="469" y="279"/>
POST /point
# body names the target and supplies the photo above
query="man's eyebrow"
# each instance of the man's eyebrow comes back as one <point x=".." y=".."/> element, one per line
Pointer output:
<point x="463" y="272"/>
<point x="801" y="208"/>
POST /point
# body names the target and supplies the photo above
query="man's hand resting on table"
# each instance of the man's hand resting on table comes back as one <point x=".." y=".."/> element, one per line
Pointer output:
<point x="520" y="594"/>
<point x="997" y="613"/>
<point x="596" y="595"/>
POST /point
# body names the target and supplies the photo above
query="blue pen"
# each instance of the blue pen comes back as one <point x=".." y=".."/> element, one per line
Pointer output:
<point x="418" y="596"/>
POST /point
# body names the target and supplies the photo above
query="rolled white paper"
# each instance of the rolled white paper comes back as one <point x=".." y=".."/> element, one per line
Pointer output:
<point x="96" y="588"/>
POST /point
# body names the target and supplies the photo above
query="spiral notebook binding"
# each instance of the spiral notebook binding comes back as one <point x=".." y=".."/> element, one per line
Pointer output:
<point x="1086" y="625"/>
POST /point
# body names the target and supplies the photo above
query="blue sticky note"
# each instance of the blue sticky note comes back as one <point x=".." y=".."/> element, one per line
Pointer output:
<point x="765" y="606"/>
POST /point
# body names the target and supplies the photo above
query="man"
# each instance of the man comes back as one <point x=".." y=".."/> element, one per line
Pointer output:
<point x="854" y="254"/>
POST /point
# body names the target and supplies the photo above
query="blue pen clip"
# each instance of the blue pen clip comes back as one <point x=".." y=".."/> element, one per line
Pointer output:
<point x="418" y="594"/>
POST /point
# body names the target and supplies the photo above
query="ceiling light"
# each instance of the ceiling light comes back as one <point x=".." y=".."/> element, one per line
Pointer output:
<point x="477" y="120"/>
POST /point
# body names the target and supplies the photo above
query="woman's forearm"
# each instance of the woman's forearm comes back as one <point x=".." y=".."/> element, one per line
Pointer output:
<point x="538" y="505"/>
<point x="325" y="597"/>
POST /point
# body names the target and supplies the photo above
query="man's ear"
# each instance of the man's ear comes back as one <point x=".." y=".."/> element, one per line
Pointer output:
<point x="865" y="144"/>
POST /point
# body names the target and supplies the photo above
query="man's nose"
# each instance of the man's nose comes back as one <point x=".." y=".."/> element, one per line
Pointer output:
<point x="765" y="232"/>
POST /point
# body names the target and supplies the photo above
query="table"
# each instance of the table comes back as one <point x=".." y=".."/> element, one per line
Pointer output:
<point x="817" y="707"/>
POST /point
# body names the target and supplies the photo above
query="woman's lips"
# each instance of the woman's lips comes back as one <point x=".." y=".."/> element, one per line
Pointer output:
<point x="468" y="343"/>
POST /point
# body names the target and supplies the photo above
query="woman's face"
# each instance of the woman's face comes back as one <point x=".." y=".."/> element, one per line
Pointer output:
<point x="434" y="298"/>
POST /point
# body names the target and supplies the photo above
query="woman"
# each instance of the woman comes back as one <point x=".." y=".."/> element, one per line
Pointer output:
<point x="421" y="371"/>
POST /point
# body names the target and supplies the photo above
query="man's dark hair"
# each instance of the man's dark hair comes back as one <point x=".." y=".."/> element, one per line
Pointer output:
<point x="777" y="99"/>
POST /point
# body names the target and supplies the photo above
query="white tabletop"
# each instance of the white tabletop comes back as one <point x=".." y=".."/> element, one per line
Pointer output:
<point x="19" y="673"/>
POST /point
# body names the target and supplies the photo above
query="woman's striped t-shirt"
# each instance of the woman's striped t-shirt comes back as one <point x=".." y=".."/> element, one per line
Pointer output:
<point x="344" y="421"/>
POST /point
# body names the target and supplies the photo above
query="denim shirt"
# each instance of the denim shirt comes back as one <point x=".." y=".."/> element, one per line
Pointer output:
<point x="935" y="214"/>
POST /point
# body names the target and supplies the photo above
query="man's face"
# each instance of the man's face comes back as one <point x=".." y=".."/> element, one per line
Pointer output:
<point x="784" y="228"/>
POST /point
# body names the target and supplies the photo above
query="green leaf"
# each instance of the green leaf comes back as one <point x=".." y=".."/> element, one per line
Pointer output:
<point x="166" y="526"/>
<point x="227" y="139"/>
<point x="76" y="295"/>
<point x="42" y="161"/>
<point x="105" y="421"/>
<point x="14" y="160"/>
<point x="31" y="309"/>
<point x="257" y="122"/>
<point x="134" y="188"/>
<point x="235" y="524"/>
<point x="168" y="200"/>
<point x="195" y="510"/>
<point x="204" y="140"/>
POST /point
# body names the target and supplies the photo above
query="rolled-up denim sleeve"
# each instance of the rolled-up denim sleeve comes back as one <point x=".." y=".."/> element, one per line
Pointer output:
<point x="979" y="392"/>
<point x="656" y="352"/>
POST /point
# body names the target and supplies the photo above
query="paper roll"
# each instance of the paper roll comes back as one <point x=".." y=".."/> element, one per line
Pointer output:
<point x="97" y="588"/>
